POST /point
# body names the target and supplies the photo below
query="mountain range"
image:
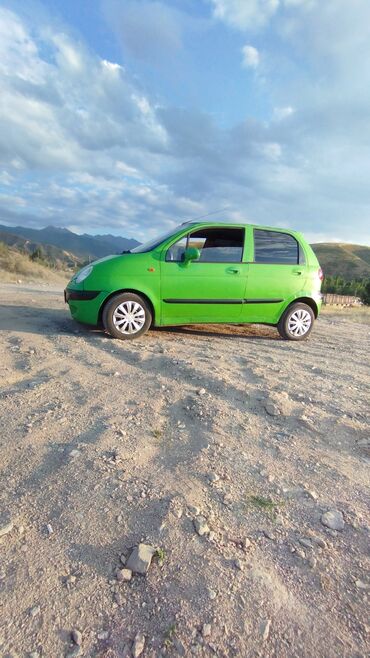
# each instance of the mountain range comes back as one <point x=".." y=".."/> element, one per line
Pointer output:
<point x="61" y="245"/>
<point x="73" y="246"/>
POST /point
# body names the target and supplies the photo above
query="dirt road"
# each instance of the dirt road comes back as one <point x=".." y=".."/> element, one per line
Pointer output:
<point x="230" y="431"/>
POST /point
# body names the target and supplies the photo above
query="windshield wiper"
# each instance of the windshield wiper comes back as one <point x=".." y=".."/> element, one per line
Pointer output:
<point x="126" y="251"/>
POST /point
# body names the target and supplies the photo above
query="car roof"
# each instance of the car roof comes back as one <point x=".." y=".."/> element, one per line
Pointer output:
<point x="220" y="223"/>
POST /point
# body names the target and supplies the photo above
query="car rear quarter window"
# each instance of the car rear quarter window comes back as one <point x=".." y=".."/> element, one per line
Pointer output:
<point x="276" y="247"/>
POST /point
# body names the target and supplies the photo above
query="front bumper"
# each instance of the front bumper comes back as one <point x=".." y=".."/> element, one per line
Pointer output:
<point x="85" y="305"/>
<point x="80" y="295"/>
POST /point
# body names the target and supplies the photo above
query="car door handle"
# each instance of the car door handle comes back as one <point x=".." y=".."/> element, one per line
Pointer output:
<point x="297" y="272"/>
<point x="232" y="270"/>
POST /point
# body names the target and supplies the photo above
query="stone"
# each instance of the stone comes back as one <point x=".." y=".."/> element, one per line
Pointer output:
<point x="238" y="565"/>
<point x="202" y="391"/>
<point x="35" y="610"/>
<point x="265" y="629"/>
<point x="76" y="636"/>
<point x="138" y="645"/>
<point x="75" y="453"/>
<point x="272" y="409"/>
<point x="212" y="594"/>
<point x="333" y="519"/>
<point x="194" y="510"/>
<point x="246" y="543"/>
<point x="140" y="559"/>
<point x="49" y="529"/>
<point x="213" y="477"/>
<point x="206" y="630"/>
<point x="307" y="543"/>
<point x="201" y="526"/>
<point x="124" y="575"/>
<point x="5" y="529"/>
<point x="103" y="635"/>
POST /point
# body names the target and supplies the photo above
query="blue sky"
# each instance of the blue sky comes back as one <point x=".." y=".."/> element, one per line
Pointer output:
<point x="126" y="116"/>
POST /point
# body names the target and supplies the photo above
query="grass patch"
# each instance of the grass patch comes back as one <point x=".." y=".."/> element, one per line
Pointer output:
<point x="266" y="505"/>
<point x="169" y="635"/>
<point x="160" y="554"/>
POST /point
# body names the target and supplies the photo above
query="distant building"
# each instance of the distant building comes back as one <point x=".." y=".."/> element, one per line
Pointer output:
<point x="341" y="300"/>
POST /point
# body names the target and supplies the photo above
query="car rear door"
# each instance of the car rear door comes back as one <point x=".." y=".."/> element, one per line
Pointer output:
<point x="277" y="273"/>
<point x="210" y="289"/>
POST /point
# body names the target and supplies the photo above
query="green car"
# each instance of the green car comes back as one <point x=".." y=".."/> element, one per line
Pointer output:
<point x="203" y="272"/>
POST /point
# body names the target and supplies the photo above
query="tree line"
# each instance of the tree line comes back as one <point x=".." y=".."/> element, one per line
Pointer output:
<point x="337" y="285"/>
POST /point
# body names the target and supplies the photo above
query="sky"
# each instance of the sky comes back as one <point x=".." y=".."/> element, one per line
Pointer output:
<point x="131" y="116"/>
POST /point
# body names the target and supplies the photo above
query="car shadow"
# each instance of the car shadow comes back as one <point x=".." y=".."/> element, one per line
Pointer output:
<point x="40" y="320"/>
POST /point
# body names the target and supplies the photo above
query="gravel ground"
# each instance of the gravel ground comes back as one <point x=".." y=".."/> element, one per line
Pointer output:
<point x="222" y="448"/>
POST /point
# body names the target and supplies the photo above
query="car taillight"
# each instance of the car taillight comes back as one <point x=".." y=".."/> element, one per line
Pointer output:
<point x="321" y="274"/>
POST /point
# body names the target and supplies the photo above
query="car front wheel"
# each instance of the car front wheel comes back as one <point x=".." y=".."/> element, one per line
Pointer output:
<point x="127" y="316"/>
<point x="296" y="322"/>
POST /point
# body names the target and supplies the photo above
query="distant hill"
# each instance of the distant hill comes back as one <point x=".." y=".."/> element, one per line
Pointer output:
<point x="59" y="258"/>
<point x="350" y="261"/>
<point x="83" y="247"/>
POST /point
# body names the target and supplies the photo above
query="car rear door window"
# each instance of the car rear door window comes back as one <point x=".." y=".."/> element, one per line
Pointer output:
<point x="275" y="247"/>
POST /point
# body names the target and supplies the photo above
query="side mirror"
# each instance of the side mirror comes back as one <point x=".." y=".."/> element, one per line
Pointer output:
<point x="192" y="253"/>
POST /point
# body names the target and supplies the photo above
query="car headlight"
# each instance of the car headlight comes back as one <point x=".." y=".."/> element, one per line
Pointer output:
<point x="83" y="274"/>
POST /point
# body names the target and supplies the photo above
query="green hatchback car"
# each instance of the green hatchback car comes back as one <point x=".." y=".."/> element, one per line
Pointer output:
<point x="203" y="272"/>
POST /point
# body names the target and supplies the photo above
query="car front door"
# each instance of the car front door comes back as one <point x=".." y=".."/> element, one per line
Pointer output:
<point x="276" y="274"/>
<point x="209" y="289"/>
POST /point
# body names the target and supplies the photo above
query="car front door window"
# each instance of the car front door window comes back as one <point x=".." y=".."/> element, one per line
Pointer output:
<point x="216" y="245"/>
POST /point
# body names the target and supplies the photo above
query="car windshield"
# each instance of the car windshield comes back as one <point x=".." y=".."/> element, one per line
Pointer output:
<point x="152" y="244"/>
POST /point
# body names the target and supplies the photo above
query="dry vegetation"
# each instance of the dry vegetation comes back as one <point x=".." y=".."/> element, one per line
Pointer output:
<point x="15" y="266"/>
<point x="359" y="314"/>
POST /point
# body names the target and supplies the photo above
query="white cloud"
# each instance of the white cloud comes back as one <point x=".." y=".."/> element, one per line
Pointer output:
<point x="245" y="14"/>
<point x="281" y="113"/>
<point x="83" y="144"/>
<point x="251" y="57"/>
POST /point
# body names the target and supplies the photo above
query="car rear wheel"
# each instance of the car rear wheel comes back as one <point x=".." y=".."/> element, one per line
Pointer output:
<point x="296" y="322"/>
<point x="127" y="316"/>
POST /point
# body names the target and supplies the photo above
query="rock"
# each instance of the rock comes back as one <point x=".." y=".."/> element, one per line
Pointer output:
<point x="75" y="453"/>
<point x="206" y="630"/>
<point x="103" y="635"/>
<point x="212" y="594"/>
<point x="246" y="543"/>
<point x="194" y="510"/>
<point x="333" y="519"/>
<point x="140" y="559"/>
<point x="272" y="409"/>
<point x="265" y="629"/>
<point x="5" y="529"/>
<point x="213" y="477"/>
<point x="138" y="645"/>
<point x="361" y="585"/>
<point x="76" y="636"/>
<point x="202" y="391"/>
<point x="49" y="529"/>
<point x="35" y="610"/>
<point x="312" y="562"/>
<point x="307" y="543"/>
<point x="238" y="565"/>
<point x="201" y="526"/>
<point x="72" y="653"/>
<point x="124" y="575"/>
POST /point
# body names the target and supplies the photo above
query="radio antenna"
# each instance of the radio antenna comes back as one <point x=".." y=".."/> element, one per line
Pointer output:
<point x="214" y="212"/>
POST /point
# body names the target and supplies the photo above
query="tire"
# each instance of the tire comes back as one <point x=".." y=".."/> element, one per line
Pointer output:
<point x="296" y="322"/>
<point x="127" y="316"/>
